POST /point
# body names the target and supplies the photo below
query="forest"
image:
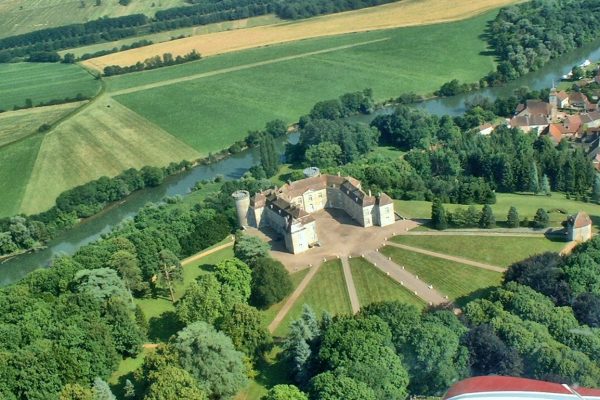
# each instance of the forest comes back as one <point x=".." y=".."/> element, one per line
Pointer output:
<point x="524" y="41"/>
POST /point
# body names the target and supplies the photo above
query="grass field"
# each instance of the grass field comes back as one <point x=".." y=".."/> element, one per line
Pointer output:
<point x="325" y="292"/>
<point x="500" y="251"/>
<point x="104" y="139"/>
<point x="41" y="82"/>
<point x="398" y="14"/>
<point x="15" y="125"/>
<point x="452" y="279"/>
<point x="526" y="205"/>
<point x="16" y="164"/>
<point x="238" y="92"/>
<point x="372" y="285"/>
<point x="21" y="16"/>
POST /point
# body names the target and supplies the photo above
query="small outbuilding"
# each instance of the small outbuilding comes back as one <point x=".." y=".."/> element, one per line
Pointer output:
<point x="579" y="227"/>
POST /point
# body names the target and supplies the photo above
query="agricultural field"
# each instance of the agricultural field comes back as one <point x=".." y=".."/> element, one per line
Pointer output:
<point x="169" y="35"/>
<point x="42" y="82"/>
<point x="526" y="205"/>
<point x="22" y="16"/>
<point x="398" y="14"/>
<point x="16" y="161"/>
<point x="104" y="139"/>
<point x="499" y="251"/>
<point x="16" y="125"/>
<point x="372" y="285"/>
<point x="325" y="292"/>
<point x="234" y="93"/>
<point x="450" y="278"/>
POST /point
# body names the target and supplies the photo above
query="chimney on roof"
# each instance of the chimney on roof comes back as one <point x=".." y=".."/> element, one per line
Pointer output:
<point x="369" y="192"/>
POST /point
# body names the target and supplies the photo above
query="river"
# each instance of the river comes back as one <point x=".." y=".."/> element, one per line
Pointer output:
<point x="235" y="166"/>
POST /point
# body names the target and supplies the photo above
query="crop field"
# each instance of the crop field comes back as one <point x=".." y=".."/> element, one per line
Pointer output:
<point x="16" y="161"/>
<point x="526" y="205"/>
<point x="104" y="139"/>
<point x="208" y="105"/>
<point x="42" y="82"/>
<point x="325" y="292"/>
<point x="15" y="125"/>
<point x="499" y="251"/>
<point x="450" y="278"/>
<point x="187" y="31"/>
<point x="21" y="16"/>
<point x="399" y="14"/>
<point x="372" y="285"/>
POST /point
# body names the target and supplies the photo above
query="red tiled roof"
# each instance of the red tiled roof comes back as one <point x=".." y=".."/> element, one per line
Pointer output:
<point x="556" y="132"/>
<point x="484" y="384"/>
<point x="562" y="95"/>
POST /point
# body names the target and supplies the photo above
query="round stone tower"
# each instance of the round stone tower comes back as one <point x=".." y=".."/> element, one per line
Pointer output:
<point x="311" y="172"/>
<point x="242" y="204"/>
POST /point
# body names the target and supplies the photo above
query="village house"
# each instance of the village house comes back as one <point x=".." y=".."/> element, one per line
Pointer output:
<point x="559" y="99"/>
<point x="579" y="227"/>
<point x="287" y="210"/>
<point x="485" y="129"/>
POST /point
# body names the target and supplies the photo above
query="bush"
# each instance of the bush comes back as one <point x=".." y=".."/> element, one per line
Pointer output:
<point x="270" y="282"/>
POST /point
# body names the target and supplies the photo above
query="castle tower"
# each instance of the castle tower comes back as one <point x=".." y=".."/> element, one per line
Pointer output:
<point x="242" y="204"/>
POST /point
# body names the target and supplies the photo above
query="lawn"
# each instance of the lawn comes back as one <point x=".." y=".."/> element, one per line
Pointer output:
<point x="125" y="371"/>
<point x="270" y="313"/>
<point x="42" y="82"/>
<point x="372" y="285"/>
<point x="500" y="251"/>
<point x="21" y="16"/>
<point x="242" y="91"/>
<point x="526" y="205"/>
<point x="325" y="292"/>
<point x="450" y="278"/>
<point x="16" y="164"/>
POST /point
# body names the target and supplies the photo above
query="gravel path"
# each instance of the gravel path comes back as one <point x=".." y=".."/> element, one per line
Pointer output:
<point x="350" y="286"/>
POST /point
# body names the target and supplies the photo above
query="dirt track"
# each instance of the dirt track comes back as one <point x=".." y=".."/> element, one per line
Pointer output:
<point x="394" y="15"/>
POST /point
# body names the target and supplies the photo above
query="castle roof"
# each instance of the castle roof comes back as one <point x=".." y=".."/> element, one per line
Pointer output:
<point x="579" y="220"/>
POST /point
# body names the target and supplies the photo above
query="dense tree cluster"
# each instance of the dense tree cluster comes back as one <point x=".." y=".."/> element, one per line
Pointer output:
<point x="524" y="41"/>
<point x="86" y="56"/>
<point x="166" y="60"/>
<point x="297" y="9"/>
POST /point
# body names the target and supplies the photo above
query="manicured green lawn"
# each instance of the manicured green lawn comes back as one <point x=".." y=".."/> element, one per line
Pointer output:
<point x="326" y="292"/>
<point x="270" y="313"/>
<point x="42" y="82"/>
<point x="372" y="285"/>
<point x="16" y="163"/>
<point x="452" y="279"/>
<point x="227" y="105"/>
<point x="526" y="205"/>
<point x="500" y="251"/>
<point x="125" y="371"/>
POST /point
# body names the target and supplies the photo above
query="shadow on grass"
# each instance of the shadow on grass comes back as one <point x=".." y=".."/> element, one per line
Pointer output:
<point x="118" y="388"/>
<point x="273" y="371"/>
<point x="161" y="328"/>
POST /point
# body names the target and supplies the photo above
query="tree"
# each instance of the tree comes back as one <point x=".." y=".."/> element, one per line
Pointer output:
<point x="276" y="128"/>
<point x="128" y="389"/>
<point x="126" y="264"/>
<point x="201" y="301"/>
<point x="328" y="386"/>
<point x="235" y="274"/>
<point x="270" y="282"/>
<point x="323" y="155"/>
<point x="284" y="392"/>
<point x="249" y="248"/>
<point x="546" y="185"/>
<point x="541" y="219"/>
<point x="102" y="390"/>
<point x="596" y="189"/>
<point x="152" y="176"/>
<point x="173" y="383"/>
<point x="587" y="309"/>
<point x="244" y="325"/>
<point x="534" y="180"/>
<point x="487" y="220"/>
<point x="269" y="158"/>
<point x="438" y="215"/>
<point x="512" y="219"/>
<point x="102" y="283"/>
<point x="578" y="73"/>
<point x="74" y="391"/>
<point x="210" y="357"/>
<point x="170" y="271"/>
<point x="140" y="319"/>
<point x="69" y="58"/>
<point x="490" y="355"/>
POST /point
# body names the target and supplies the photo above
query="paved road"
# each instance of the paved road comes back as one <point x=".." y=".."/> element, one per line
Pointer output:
<point x="292" y="299"/>
<point x="417" y="286"/>
<point x="350" y="285"/>
<point x="448" y="257"/>
<point x="568" y="248"/>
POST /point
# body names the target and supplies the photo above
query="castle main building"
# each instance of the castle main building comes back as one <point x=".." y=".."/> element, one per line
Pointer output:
<point x="288" y="210"/>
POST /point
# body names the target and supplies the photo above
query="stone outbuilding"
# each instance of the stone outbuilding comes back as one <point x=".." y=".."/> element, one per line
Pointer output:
<point x="579" y="227"/>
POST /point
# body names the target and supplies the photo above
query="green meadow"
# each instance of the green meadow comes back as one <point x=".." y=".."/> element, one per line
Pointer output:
<point x="42" y="82"/>
<point x="237" y="92"/>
